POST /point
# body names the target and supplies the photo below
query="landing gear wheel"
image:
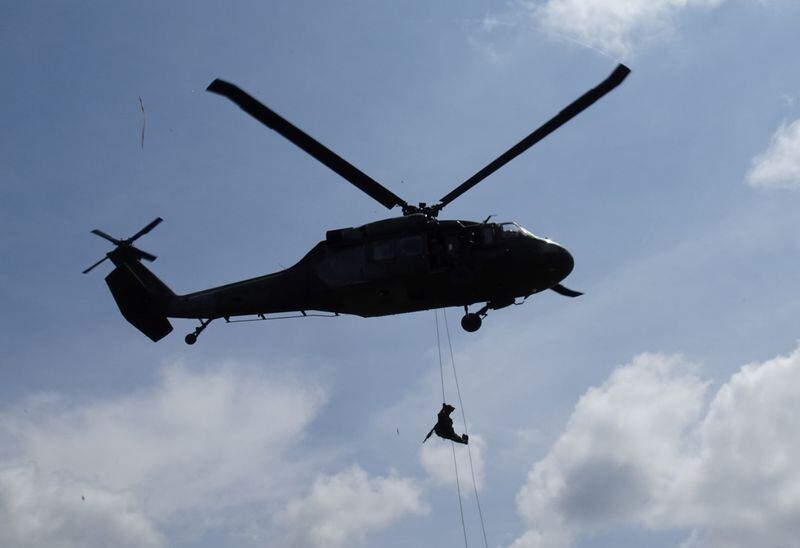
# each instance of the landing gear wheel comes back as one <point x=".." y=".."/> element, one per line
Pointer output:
<point x="191" y="338"/>
<point x="471" y="322"/>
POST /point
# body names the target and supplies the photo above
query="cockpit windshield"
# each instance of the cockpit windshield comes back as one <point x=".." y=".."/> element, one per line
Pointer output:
<point x="513" y="230"/>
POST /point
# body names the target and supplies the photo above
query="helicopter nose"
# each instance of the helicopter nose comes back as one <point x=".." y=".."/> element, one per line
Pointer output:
<point x="560" y="261"/>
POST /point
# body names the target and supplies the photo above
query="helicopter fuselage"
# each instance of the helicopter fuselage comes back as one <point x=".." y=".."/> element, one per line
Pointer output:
<point x="403" y="264"/>
<point x="397" y="265"/>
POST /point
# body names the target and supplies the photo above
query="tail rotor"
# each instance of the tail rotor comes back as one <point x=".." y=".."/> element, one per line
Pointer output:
<point x="125" y="247"/>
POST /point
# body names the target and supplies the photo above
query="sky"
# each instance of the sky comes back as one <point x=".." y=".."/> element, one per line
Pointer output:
<point x="657" y="409"/>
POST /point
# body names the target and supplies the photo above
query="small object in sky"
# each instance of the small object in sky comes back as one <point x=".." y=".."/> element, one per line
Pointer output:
<point x="144" y="120"/>
<point x="83" y="498"/>
<point x="398" y="431"/>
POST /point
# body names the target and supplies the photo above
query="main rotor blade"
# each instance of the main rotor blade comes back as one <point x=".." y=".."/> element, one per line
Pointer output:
<point x="313" y="147"/>
<point x="94" y="265"/>
<point x="154" y="223"/>
<point x="572" y="110"/>
<point x="105" y="236"/>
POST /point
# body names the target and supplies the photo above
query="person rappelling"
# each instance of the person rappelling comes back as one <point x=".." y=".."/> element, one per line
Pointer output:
<point x="444" y="426"/>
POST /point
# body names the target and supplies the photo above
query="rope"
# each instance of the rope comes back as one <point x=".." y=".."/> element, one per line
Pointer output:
<point x="439" y="347"/>
<point x="452" y="444"/>
<point x="464" y="417"/>
<point x="458" y="486"/>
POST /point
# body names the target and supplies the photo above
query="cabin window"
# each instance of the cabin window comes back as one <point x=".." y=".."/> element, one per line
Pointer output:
<point x="410" y="247"/>
<point x="383" y="251"/>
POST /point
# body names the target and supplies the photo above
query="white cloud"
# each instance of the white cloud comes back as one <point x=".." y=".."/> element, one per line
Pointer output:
<point x="343" y="508"/>
<point x="613" y="26"/>
<point x="779" y="165"/>
<point x="201" y="448"/>
<point x="61" y="512"/>
<point x="436" y="456"/>
<point x="641" y="449"/>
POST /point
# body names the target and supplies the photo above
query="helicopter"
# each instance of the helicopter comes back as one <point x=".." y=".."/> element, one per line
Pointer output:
<point x="403" y="264"/>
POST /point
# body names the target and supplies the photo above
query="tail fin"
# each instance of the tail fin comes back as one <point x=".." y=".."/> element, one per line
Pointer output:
<point x="141" y="296"/>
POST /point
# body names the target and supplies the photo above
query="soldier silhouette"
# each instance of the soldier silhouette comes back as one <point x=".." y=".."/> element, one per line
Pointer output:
<point x="444" y="426"/>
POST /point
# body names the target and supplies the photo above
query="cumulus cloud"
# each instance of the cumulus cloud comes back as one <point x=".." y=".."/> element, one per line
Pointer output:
<point x="612" y="26"/>
<point x="644" y="449"/>
<point x="62" y="512"/>
<point x="779" y="165"/>
<point x="343" y="508"/>
<point x="436" y="457"/>
<point x="200" y="448"/>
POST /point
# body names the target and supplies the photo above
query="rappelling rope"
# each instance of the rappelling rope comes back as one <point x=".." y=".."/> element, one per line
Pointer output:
<point x="439" y="348"/>
<point x="458" y="487"/>
<point x="452" y="444"/>
<point x="464" y="417"/>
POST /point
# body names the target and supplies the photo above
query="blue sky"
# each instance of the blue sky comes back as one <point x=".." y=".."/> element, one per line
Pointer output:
<point x="629" y="416"/>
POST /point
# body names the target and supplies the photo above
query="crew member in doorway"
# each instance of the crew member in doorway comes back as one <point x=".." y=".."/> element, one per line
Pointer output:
<point x="444" y="426"/>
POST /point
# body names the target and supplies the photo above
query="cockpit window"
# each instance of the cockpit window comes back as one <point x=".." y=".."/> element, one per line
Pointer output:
<point x="513" y="230"/>
<point x="488" y="235"/>
<point x="510" y="230"/>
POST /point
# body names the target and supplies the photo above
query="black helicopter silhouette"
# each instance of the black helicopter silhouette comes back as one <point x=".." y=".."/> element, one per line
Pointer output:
<point x="393" y="266"/>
